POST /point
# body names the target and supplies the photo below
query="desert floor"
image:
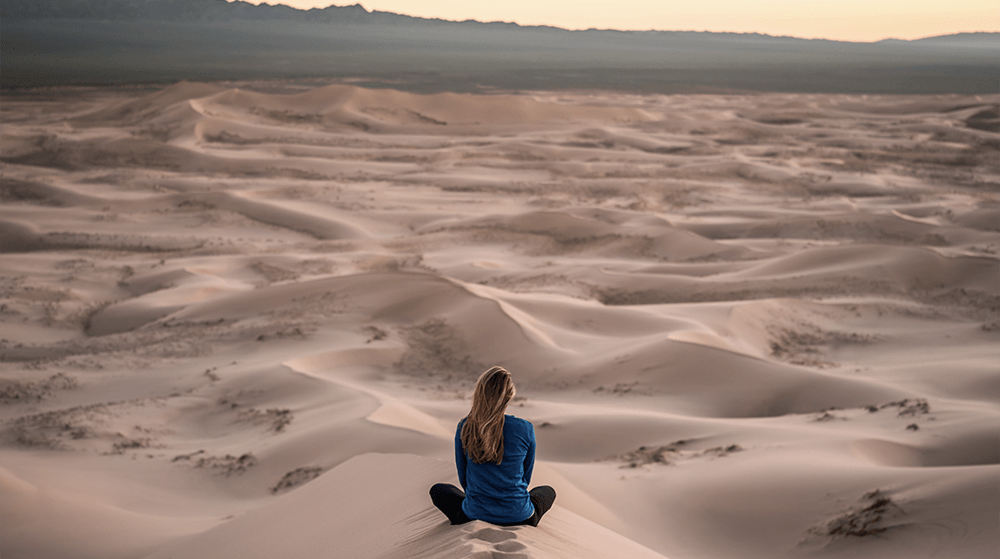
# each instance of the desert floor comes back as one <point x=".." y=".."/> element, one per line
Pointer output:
<point x="244" y="321"/>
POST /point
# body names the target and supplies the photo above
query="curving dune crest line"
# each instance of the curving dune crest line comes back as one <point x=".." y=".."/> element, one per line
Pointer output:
<point x="372" y="108"/>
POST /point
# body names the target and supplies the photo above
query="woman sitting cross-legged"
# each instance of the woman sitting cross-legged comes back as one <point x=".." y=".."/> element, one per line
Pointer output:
<point x="495" y="454"/>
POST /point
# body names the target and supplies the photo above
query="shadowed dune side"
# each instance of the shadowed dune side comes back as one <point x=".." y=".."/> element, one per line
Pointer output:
<point x="911" y="268"/>
<point x="859" y="227"/>
<point x="318" y="226"/>
<point x="14" y="190"/>
<point x="73" y="155"/>
<point x="562" y="232"/>
<point x="97" y="530"/>
<point x="21" y="237"/>
<point x="151" y="105"/>
<point x="918" y="273"/>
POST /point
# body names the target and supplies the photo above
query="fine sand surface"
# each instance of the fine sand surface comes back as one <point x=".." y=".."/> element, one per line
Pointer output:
<point x="244" y="324"/>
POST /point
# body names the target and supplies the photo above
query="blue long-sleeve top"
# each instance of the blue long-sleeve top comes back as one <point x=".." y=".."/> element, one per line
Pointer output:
<point x="498" y="493"/>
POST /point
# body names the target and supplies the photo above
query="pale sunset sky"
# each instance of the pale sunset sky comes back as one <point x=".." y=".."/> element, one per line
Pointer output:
<point x="846" y="20"/>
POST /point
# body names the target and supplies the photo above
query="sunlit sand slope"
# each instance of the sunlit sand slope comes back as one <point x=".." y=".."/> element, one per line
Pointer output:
<point x="380" y="497"/>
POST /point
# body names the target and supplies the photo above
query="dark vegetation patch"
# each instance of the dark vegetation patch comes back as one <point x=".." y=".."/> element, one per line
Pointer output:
<point x="909" y="408"/>
<point x="170" y="338"/>
<point x="188" y="456"/>
<point x="669" y="454"/>
<point x="906" y="408"/>
<point x="870" y="518"/>
<point x="981" y="304"/>
<point x="224" y="137"/>
<point x="436" y="349"/>
<point x="287" y="116"/>
<point x="273" y="273"/>
<point x="53" y="429"/>
<point x="374" y="334"/>
<point x="276" y="419"/>
<point x="827" y="416"/>
<point x="535" y="283"/>
<point x="63" y="429"/>
<point x="803" y="345"/>
<point x="296" y="477"/>
<point x="744" y="291"/>
<point x="645" y="455"/>
<point x="798" y="348"/>
<point x="282" y="333"/>
<point x="13" y="391"/>
<point x="123" y="443"/>
<point x="722" y="450"/>
<point x="620" y="389"/>
<point x="227" y="465"/>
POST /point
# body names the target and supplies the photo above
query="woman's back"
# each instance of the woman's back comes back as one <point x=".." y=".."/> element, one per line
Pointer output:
<point x="498" y="493"/>
<point x="494" y="455"/>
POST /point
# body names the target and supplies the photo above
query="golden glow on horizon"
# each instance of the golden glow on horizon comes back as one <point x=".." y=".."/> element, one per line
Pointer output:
<point x="846" y="20"/>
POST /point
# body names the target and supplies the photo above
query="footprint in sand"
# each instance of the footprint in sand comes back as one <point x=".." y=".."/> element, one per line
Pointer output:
<point x="503" y="544"/>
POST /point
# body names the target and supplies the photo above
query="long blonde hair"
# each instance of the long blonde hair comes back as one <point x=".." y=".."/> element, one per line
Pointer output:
<point x="482" y="433"/>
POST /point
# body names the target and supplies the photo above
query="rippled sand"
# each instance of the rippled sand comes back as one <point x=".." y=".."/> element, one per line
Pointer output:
<point x="245" y="324"/>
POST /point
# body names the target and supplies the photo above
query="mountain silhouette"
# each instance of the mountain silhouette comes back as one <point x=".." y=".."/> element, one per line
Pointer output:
<point x="51" y="42"/>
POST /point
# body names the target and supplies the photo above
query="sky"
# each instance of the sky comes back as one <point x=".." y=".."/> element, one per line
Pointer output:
<point x="845" y="20"/>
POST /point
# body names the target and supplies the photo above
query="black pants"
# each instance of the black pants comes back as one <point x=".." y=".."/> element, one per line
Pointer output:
<point x="448" y="499"/>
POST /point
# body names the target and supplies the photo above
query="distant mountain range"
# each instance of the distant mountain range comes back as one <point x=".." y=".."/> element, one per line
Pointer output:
<point x="221" y="10"/>
<point x="191" y="11"/>
<point x="46" y="42"/>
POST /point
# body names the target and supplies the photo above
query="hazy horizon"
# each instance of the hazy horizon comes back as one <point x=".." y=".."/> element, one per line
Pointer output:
<point x="51" y="42"/>
<point x="847" y="20"/>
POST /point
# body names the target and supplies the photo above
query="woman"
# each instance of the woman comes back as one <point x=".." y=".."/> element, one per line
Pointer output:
<point x="495" y="454"/>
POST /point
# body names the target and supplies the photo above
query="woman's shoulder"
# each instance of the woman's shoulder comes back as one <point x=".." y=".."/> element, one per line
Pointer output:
<point x="518" y="423"/>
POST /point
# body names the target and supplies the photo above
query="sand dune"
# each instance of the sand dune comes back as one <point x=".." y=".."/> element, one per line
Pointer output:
<point x="245" y="323"/>
<point x="566" y="535"/>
